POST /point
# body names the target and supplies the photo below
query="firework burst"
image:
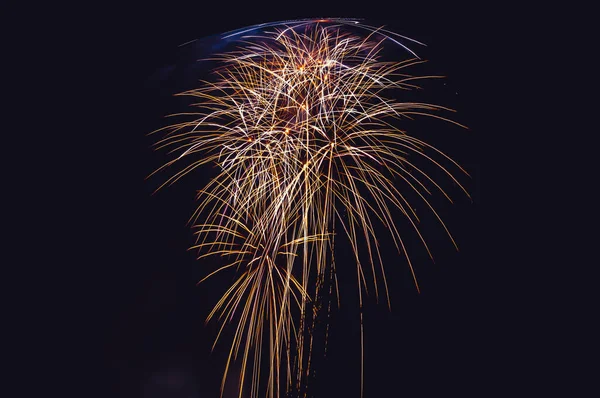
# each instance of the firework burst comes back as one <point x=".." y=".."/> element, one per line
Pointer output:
<point x="303" y="121"/>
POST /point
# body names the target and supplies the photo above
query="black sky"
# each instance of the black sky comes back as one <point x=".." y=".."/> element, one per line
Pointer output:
<point x="145" y="305"/>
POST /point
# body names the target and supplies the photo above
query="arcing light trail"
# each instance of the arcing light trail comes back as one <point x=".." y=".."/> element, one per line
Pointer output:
<point x="302" y="122"/>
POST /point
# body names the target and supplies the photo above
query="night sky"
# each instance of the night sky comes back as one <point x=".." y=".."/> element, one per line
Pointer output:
<point x="146" y="307"/>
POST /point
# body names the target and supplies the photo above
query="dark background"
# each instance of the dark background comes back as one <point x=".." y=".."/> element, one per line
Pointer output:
<point x="145" y="307"/>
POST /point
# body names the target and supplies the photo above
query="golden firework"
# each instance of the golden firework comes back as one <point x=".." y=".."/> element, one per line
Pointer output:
<point x="302" y="121"/>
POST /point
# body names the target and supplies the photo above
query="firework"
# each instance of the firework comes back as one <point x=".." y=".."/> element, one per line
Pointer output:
<point x="303" y="123"/>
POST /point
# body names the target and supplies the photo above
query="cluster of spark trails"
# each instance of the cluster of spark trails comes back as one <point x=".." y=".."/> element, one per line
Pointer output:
<point x="302" y="126"/>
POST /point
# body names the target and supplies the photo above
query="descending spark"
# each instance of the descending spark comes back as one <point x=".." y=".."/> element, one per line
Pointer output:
<point x="302" y="123"/>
